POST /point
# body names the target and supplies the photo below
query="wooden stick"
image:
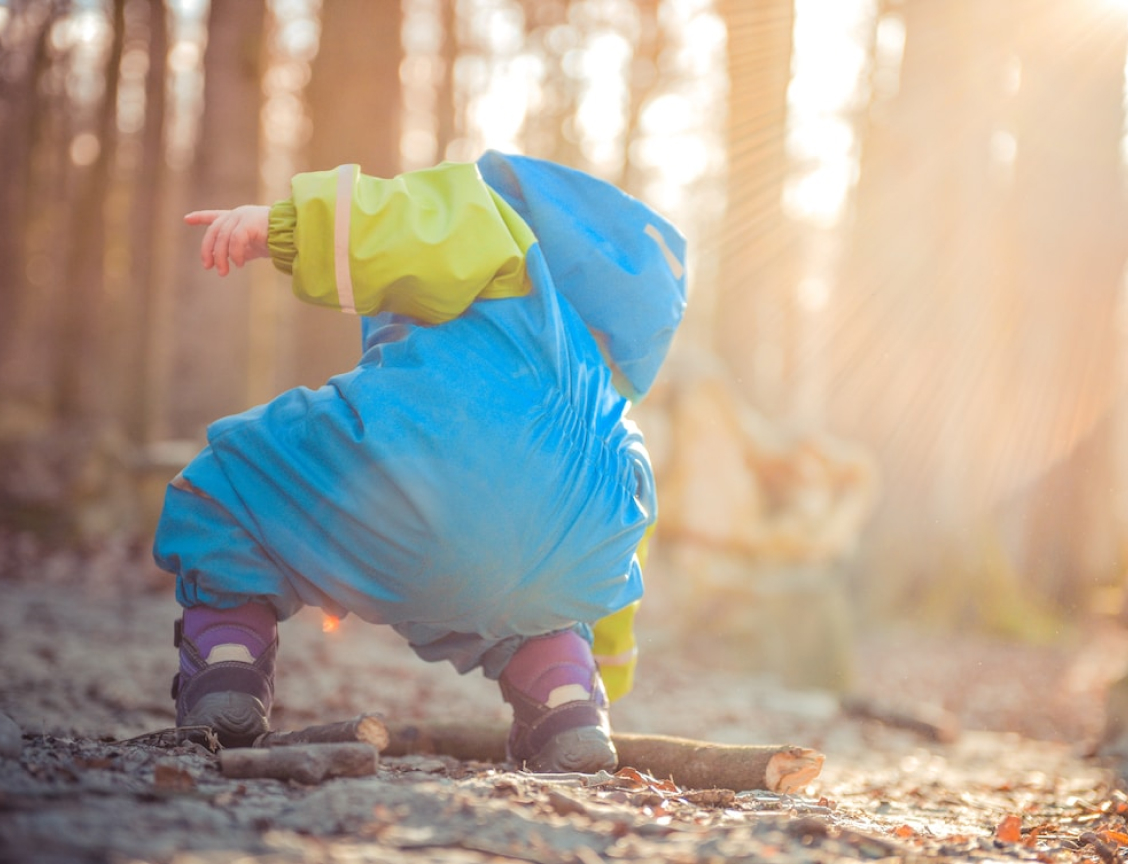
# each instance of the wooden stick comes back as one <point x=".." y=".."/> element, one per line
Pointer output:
<point x="690" y="764"/>
<point x="481" y="742"/>
<point x="368" y="728"/>
<point x="305" y="763"/>
<point x="704" y="765"/>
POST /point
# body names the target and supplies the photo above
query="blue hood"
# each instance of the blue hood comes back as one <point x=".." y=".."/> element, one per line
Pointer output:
<point x="619" y="264"/>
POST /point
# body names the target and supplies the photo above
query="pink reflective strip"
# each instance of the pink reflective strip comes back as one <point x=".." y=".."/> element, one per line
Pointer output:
<point x="346" y="177"/>
<point x="617" y="659"/>
<point x="671" y="259"/>
<point x="181" y="482"/>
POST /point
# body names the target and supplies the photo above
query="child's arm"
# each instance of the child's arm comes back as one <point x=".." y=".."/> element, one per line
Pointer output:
<point x="425" y="244"/>
<point x="233" y="236"/>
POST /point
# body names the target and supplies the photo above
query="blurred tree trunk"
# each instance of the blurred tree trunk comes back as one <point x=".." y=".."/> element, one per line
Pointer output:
<point x="83" y="369"/>
<point x="1069" y="242"/>
<point x="209" y="360"/>
<point x="355" y="106"/>
<point x="23" y="46"/>
<point x="147" y="184"/>
<point x="549" y="132"/>
<point x="446" y="111"/>
<point x="645" y="82"/>
<point x="752" y="312"/>
<point x="917" y="363"/>
<point x="31" y="367"/>
<point x="973" y="342"/>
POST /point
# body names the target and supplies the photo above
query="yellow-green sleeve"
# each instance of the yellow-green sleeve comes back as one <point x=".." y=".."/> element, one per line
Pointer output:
<point x="424" y="244"/>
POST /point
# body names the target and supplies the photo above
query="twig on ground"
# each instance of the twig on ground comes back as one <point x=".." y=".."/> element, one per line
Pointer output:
<point x="304" y="763"/>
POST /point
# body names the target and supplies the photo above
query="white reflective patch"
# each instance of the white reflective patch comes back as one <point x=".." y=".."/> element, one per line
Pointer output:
<point x="346" y="177"/>
<point x="568" y="693"/>
<point x="671" y="259"/>
<point x="230" y="651"/>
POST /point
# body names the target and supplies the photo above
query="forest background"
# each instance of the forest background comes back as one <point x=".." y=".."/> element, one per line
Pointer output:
<point x="899" y="392"/>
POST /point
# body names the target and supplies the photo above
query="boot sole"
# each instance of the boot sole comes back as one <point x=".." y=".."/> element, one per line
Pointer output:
<point x="237" y="718"/>
<point x="585" y="750"/>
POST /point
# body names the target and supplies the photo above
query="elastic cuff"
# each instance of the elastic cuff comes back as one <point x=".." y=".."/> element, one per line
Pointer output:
<point x="280" y="236"/>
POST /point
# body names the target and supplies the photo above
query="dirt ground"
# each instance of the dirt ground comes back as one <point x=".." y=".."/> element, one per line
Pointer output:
<point x="86" y="660"/>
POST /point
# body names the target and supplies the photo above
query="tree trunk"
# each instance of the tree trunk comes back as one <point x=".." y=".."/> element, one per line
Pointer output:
<point x="83" y="370"/>
<point x="210" y="315"/>
<point x="548" y="130"/>
<point x="23" y="45"/>
<point x="148" y="184"/>
<point x="30" y="356"/>
<point x="355" y="106"/>
<point x="752" y="311"/>
<point x="1069" y="243"/>
<point x="645" y="81"/>
<point x="960" y="350"/>
<point x="446" y="110"/>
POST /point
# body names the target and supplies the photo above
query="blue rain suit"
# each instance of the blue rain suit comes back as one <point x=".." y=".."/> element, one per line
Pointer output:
<point x="474" y="480"/>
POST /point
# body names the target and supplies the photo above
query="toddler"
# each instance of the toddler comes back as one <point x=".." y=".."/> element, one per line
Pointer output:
<point x="474" y="481"/>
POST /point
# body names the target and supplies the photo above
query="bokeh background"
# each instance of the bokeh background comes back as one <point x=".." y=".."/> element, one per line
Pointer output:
<point x="898" y="396"/>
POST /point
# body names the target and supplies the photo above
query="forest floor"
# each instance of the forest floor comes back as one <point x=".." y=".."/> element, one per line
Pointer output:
<point x="86" y="660"/>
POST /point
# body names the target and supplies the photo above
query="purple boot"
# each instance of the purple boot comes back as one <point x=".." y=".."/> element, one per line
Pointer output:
<point x="560" y="718"/>
<point x="226" y="677"/>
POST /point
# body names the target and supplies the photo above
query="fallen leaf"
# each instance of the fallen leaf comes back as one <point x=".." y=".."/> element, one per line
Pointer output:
<point x="1117" y="837"/>
<point x="172" y="778"/>
<point x="1010" y="829"/>
<point x="632" y="775"/>
<point x="101" y="762"/>
<point x="904" y="832"/>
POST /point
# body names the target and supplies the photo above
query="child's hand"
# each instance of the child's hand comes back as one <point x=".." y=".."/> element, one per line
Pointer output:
<point x="233" y="236"/>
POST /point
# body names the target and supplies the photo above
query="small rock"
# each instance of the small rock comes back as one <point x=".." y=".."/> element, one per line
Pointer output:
<point x="11" y="738"/>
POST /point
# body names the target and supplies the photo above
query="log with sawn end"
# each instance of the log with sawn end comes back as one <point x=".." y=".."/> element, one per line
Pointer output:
<point x="688" y="763"/>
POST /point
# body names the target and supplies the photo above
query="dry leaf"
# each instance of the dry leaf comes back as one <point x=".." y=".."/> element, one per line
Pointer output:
<point x="1117" y="837"/>
<point x="904" y="832"/>
<point x="172" y="778"/>
<point x="631" y="775"/>
<point x="1010" y="829"/>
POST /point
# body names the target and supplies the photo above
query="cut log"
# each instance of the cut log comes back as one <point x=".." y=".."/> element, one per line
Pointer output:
<point x="304" y="763"/>
<point x="368" y="728"/>
<point x="690" y="764"/>
<point x="481" y="742"/>
<point x="703" y="765"/>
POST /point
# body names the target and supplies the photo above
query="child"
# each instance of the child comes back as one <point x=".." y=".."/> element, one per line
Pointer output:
<point x="474" y="482"/>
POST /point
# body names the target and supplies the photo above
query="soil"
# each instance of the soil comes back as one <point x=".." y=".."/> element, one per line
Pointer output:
<point x="981" y="754"/>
